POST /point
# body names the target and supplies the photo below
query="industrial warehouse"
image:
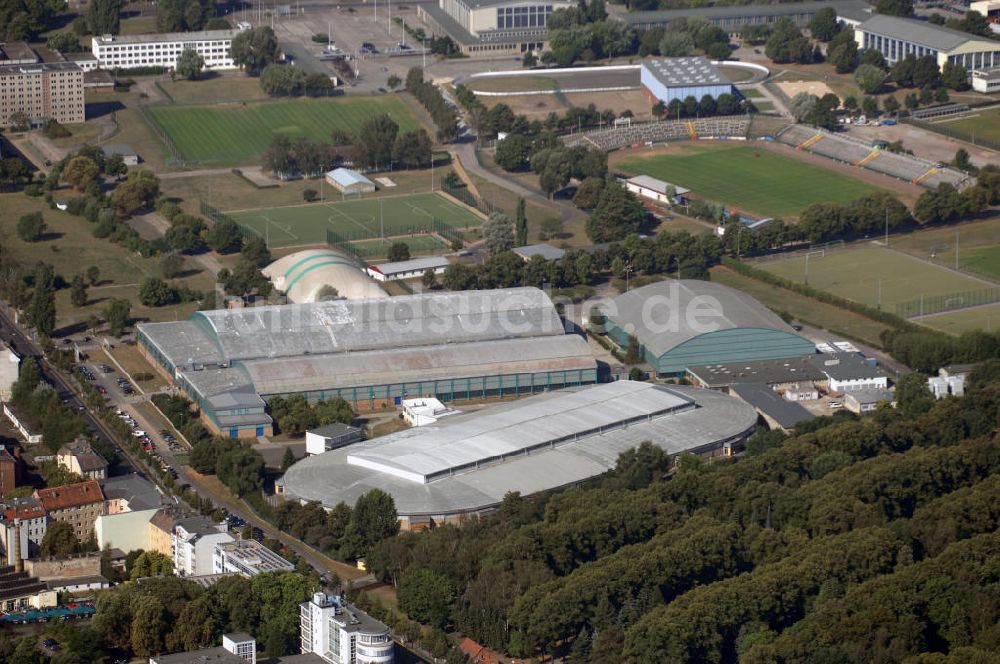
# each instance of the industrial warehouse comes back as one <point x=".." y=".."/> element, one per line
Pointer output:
<point x="466" y="464"/>
<point x="681" y="323"/>
<point x="371" y="352"/>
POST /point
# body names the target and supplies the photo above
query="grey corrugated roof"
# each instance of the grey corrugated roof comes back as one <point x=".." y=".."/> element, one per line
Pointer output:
<point x="655" y="314"/>
<point x="845" y="366"/>
<point x="715" y="418"/>
<point x="140" y="493"/>
<point x="334" y="429"/>
<point x="920" y="32"/>
<point x="760" y="396"/>
<point x="740" y="11"/>
<point x="871" y="396"/>
<point x="412" y="265"/>
<point x="347" y="177"/>
<point x="546" y="251"/>
<point x="678" y="72"/>
<point x="661" y="186"/>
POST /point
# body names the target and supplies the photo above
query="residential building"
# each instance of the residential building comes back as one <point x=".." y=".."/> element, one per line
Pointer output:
<point x="667" y="79"/>
<point x="42" y="91"/>
<point x="411" y="269"/>
<point x="847" y="372"/>
<point x="242" y="645"/>
<point x="341" y="633"/>
<point x="80" y="458"/>
<point x="77" y="504"/>
<point x="545" y="251"/>
<point x="131" y="493"/>
<point x="492" y="27"/>
<point x="348" y="181"/>
<point x="17" y="53"/>
<point x="331" y="437"/>
<point x="10" y="363"/>
<point x="128" y="531"/>
<point x="22" y="518"/>
<point x="247" y="557"/>
<point x="161" y="532"/>
<point x="657" y="190"/>
<point x="864" y="401"/>
<point x="237" y="648"/>
<point x="424" y="411"/>
<point x="896" y="37"/>
<point x="163" y="49"/>
<point x="195" y="539"/>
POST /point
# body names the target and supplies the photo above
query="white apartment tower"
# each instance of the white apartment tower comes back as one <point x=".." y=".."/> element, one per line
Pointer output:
<point x="342" y="634"/>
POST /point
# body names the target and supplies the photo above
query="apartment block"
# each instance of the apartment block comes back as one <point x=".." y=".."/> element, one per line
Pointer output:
<point x="41" y="91"/>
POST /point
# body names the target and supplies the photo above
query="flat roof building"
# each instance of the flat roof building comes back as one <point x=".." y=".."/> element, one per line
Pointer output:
<point x="666" y="79"/>
<point x="42" y="91"/>
<point x="545" y="251"/>
<point x="779" y="413"/>
<point x="247" y="557"/>
<point x="303" y="276"/>
<point x="492" y="27"/>
<point x="349" y="181"/>
<point x="411" y="269"/>
<point x="163" y="49"/>
<point x="656" y="190"/>
<point x="341" y="633"/>
<point x="732" y="18"/>
<point x="849" y="372"/>
<point x="465" y="464"/>
<point x="779" y="372"/>
<point x="682" y="323"/>
<point x="330" y="437"/>
<point x="373" y="352"/>
<point x="896" y="37"/>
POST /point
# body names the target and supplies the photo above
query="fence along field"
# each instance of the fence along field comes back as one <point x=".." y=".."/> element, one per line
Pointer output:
<point x="239" y="133"/>
<point x="749" y="178"/>
<point x="353" y="221"/>
<point x="877" y="276"/>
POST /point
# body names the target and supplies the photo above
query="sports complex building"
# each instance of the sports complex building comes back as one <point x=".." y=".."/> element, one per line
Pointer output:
<point x="466" y="464"/>
<point x="681" y="323"/>
<point x="666" y="79"/>
<point x="734" y="18"/>
<point x="492" y="27"/>
<point x="371" y="352"/>
<point x="895" y="38"/>
<point x="303" y="275"/>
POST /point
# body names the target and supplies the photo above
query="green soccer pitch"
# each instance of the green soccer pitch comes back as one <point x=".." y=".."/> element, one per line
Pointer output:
<point x="239" y="133"/>
<point x="749" y="179"/>
<point x="355" y="220"/>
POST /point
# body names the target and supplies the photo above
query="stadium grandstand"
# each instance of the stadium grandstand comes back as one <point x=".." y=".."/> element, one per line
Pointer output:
<point x="372" y="352"/>
<point x="681" y="323"/>
<point x="728" y="126"/>
<point x="465" y="465"/>
<point x="857" y="153"/>
<point x="304" y="276"/>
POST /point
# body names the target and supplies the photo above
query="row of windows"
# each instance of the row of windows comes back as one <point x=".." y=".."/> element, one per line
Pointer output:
<point x="174" y="45"/>
<point x="523" y="17"/>
<point x="896" y="49"/>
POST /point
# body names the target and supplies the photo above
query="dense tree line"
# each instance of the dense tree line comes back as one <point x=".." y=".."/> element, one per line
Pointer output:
<point x="279" y="80"/>
<point x="184" y="15"/>
<point x="430" y="97"/>
<point x="730" y="560"/>
<point x="26" y="19"/>
<point x="344" y="532"/>
<point x="294" y="415"/>
<point x="35" y="398"/>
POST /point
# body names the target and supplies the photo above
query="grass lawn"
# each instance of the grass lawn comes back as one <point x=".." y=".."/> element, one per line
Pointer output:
<point x="70" y="248"/>
<point x="978" y="246"/>
<point x="212" y="90"/>
<point x="140" y="25"/>
<point x="859" y="273"/>
<point x="764" y="106"/>
<point x="138" y="368"/>
<point x="236" y="134"/>
<point x="957" y="322"/>
<point x="748" y="179"/>
<point x="356" y="219"/>
<point x="805" y="309"/>
<point x="736" y="74"/>
<point x="752" y="93"/>
<point x="513" y="84"/>
<point x="981" y="123"/>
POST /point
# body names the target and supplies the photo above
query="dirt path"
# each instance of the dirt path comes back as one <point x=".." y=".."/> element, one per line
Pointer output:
<point x="205" y="172"/>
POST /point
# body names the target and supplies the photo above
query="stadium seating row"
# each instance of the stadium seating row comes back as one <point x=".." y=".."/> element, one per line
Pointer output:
<point x="857" y="153"/>
<point x="729" y="126"/>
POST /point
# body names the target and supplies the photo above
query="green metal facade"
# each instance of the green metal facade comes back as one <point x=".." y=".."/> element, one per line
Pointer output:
<point x="741" y="344"/>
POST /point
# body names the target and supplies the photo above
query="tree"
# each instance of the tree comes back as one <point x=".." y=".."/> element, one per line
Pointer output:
<point x="869" y="106"/>
<point x="81" y="172"/>
<point x="844" y="57"/>
<point x="393" y="81"/>
<point x="617" y="215"/>
<point x="428" y="279"/>
<point x="512" y="152"/>
<point x="31" y="227"/>
<point x="327" y="293"/>
<point x="225" y="237"/>
<point x="102" y="16"/>
<point x="498" y="232"/>
<point x="786" y="44"/>
<point x="19" y="121"/>
<point x="801" y="105"/>
<point x="139" y="191"/>
<point x="279" y="80"/>
<point x="890" y="104"/>
<point x="171" y="265"/>
<point x="151" y="563"/>
<point x="962" y="161"/>
<point x="287" y="459"/>
<point x="869" y="78"/>
<point x="41" y="311"/>
<point x="93" y="275"/>
<point x="78" y="291"/>
<point x="588" y="194"/>
<point x="398" y="251"/>
<point x="117" y="313"/>
<point x="374" y="519"/>
<point x="190" y="64"/>
<point x="376" y="138"/>
<point x="913" y="397"/>
<point x="254" y="49"/>
<point x="926" y="73"/>
<point x="633" y="353"/>
<point x="895" y="7"/>
<point x="426" y="596"/>
<point x="59" y="540"/>
<point x="676" y="45"/>
<point x="64" y="42"/>
<point x="955" y="76"/>
<point x="114" y="166"/>
<point x="824" y="25"/>
<point x="413" y="149"/>
<point x="149" y="625"/>
<point x="520" y="224"/>
<point x="154" y="292"/>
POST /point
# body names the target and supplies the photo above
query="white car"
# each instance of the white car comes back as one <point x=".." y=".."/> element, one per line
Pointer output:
<point x="138" y="433"/>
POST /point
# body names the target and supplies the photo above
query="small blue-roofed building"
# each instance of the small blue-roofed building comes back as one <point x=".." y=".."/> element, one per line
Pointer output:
<point x="349" y="182"/>
<point x="666" y="79"/>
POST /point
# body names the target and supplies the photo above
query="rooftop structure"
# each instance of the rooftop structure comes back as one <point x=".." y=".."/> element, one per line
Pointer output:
<point x="302" y="275"/>
<point x="778" y="412"/>
<point x="330" y="437"/>
<point x="370" y="352"/>
<point x="847" y="372"/>
<point x="410" y="269"/>
<point x="17" y="53"/>
<point x="681" y="323"/>
<point x="247" y="557"/>
<point x="466" y="463"/>
<point x="896" y="37"/>
<point x="546" y="251"/>
<point x="349" y="181"/>
<point x="425" y="410"/>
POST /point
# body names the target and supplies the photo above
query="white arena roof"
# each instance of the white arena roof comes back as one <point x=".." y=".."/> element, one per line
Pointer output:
<point x="301" y="276"/>
<point x="467" y="463"/>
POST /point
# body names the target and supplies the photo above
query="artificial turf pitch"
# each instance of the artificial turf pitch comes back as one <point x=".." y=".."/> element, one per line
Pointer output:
<point x="355" y="220"/>
<point x="749" y="179"/>
<point x="239" y="133"/>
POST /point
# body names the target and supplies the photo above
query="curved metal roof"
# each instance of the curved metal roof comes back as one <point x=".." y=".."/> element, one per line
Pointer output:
<point x="300" y="276"/>
<point x="666" y="314"/>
